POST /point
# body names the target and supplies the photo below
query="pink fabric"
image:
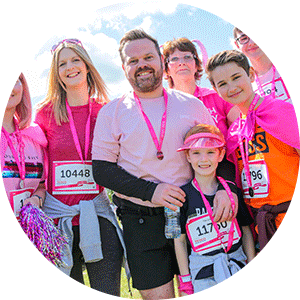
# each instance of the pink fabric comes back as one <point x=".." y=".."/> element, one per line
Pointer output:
<point x="276" y="117"/>
<point x="185" y="287"/>
<point x="61" y="146"/>
<point x="217" y="107"/>
<point x="32" y="137"/>
<point x="128" y="142"/>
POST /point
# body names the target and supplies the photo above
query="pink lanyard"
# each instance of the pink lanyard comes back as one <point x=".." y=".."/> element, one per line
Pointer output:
<point x="273" y="87"/>
<point x="75" y="135"/>
<point x="158" y="145"/>
<point x="210" y="213"/>
<point x="245" y="150"/>
<point x="20" y="161"/>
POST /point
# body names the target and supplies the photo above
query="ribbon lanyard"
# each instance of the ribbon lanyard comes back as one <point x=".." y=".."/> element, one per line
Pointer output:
<point x="245" y="150"/>
<point x="158" y="144"/>
<point x="18" y="156"/>
<point x="75" y="135"/>
<point x="273" y="87"/>
<point x="210" y="213"/>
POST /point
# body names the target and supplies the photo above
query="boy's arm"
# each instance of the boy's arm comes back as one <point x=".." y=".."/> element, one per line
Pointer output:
<point x="182" y="254"/>
<point x="248" y="243"/>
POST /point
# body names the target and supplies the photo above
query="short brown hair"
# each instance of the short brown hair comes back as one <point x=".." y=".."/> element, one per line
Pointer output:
<point x="224" y="58"/>
<point x="184" y="45"/>
<point x="236" y="31"/>
<point x="136" y="34"/>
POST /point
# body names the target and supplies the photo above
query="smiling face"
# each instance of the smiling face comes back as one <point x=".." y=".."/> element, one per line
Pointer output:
<point x="143" y="66"/>
<point x="71" y="69"/>
<point x="233" y="84"/>
<point x="250" y="49"/>
<point x="204" y="161"/>
<point x="181" y="66"/>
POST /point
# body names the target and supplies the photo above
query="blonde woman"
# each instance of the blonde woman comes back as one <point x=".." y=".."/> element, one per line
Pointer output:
<point x="76" y="93"/>
<point x="22" y="156"/>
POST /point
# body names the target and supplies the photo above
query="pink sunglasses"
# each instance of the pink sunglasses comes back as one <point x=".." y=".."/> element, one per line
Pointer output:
<point x="71" y="41"/>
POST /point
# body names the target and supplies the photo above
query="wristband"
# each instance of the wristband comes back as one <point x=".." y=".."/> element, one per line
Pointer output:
<point x="185" y="284"/>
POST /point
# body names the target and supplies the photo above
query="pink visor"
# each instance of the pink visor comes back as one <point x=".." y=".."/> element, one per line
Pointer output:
<point x="202" y="140"/>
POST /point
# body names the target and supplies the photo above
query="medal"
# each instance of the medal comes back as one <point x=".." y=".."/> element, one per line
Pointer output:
<point x="158" y="145"/>
<point x="160" y="155"/>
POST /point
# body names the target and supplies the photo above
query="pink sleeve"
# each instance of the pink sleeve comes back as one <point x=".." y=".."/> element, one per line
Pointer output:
<point x="106" y="144"/>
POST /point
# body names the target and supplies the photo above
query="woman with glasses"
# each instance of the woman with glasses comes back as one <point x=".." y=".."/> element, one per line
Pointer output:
<point x="22" y="145"/>
<point x="81" y="208"/>
<point x="267" y="81"/>
<point x="184" y="69"/>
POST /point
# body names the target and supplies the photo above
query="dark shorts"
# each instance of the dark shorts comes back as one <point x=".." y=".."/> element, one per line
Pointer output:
<point x="151" y="257"/>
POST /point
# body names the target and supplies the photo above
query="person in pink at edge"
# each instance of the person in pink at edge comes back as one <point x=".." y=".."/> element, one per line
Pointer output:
<point x="263" y="142"/>
<point x="183" y="71"/>
<point x="211" y="260"/>
<point x="80" y="207"/>
<point x="22" y="154"/>
<point x="136" y="157"/>
<point x="267" y="79"/>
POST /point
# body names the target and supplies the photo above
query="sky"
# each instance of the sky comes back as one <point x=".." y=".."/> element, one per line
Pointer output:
<point x="28" y="31"/>
<point x="101" y="32"/>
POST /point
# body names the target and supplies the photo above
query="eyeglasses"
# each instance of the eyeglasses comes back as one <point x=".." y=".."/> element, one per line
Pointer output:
<point x="243" y="39"/>
<point x="71" y="41"/>
<point x="176" y="59"/>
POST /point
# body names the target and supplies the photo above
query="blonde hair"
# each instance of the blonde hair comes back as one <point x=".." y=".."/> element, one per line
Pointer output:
<point x="56" y="93"/>
<point x="24" y="109"/>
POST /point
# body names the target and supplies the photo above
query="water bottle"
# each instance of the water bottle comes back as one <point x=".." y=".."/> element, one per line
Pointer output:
<point x="172" y="226"/>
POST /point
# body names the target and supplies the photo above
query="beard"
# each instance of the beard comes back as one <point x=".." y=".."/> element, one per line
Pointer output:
<point x="149" y="84"/>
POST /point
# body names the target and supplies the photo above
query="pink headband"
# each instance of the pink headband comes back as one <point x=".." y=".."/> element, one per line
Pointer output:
<point x="202" y="140"/>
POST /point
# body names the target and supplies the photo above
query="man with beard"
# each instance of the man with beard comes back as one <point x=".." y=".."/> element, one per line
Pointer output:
<point x="134" y="154"/>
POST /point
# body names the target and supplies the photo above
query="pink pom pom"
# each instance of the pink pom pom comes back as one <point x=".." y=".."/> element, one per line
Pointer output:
<point x="42" y="231"/>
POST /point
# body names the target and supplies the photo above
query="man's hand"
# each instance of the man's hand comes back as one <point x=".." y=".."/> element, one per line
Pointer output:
<point x="222" y="210"/>
<point x="167" y="194"/>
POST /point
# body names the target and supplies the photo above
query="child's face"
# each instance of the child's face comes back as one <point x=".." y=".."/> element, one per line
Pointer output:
<point x="205" y="161"/>
<point x="233" y="84"/>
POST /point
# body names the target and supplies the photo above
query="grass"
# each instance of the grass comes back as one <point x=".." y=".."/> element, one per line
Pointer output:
<point x="124" y="286"/>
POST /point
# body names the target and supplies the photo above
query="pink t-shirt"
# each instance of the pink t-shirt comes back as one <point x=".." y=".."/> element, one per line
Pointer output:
<point x="128" y="142"/>
<point x="217" y="107"/>
<point x="34" y="163"/>
<point x="61" y="146"/>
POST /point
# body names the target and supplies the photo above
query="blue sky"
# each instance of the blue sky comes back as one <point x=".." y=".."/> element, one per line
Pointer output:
<point x="102" y="31"/>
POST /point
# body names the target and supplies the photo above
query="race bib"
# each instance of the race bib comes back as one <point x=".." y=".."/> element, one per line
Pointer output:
<point x="280" y="89"/>
<point x="73" y="177"/>
<point x="203" y="236"/>
<point x="259" y="178"/>
<point x="17" y="198"/>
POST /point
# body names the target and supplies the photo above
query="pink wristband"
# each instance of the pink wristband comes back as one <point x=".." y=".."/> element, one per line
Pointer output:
<point x="185" y="284"/>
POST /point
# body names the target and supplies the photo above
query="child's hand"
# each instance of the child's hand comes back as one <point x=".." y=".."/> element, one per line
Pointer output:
<point x="222" y="210"/>
<point x="167" y="194"/>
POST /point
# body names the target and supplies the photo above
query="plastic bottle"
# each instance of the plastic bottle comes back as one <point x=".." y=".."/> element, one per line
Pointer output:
<point x="172" y="226"/>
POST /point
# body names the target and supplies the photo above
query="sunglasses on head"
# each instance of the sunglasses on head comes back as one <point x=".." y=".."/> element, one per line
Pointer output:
<point x="71" y="41"/>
